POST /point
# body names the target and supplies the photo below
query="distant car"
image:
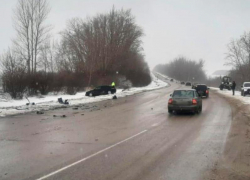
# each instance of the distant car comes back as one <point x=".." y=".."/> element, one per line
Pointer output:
<point x="245" y="88"/>
<point x="182" y="82"/>
<point x="171" y="80"/>
<point x="101" y="90"/>
<point x="188" y="84"/>
<point x="202" y="90"/>
<point x="185" y="100"/>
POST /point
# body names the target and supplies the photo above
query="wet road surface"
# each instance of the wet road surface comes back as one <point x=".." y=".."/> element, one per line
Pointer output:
<point x="129" y="138"/>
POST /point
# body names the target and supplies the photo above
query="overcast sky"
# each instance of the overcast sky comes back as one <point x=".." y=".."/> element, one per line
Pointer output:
<point x="197" y="29"/>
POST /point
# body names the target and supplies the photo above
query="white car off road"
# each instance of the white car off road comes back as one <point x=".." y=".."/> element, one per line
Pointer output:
<point x="245" y="88"/>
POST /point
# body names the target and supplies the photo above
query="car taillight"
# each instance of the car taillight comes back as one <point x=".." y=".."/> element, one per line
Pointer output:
<point x="170" y="101"/>
<point x="207" y="91"/>
<point x="194" y="101"/>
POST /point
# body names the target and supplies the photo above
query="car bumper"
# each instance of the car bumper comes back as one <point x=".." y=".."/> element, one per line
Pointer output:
<point x="182" y="108"/>
<point x="203" y="94"/>
<point x="247" y="91"/>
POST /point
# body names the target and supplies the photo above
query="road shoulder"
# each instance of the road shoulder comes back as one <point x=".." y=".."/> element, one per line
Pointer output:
<point x="235" y="162"/>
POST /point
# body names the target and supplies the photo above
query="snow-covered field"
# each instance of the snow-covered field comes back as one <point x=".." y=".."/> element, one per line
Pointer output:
<point x="9" y="106"/>
<point x="244" y="99"/>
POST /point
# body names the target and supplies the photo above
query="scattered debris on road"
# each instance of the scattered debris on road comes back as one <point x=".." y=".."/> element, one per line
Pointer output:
<point x="39" y="112"/>
<point x="60" y="100"/>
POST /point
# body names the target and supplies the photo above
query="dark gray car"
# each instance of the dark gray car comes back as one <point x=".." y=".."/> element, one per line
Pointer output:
<point x="185" y="100"/>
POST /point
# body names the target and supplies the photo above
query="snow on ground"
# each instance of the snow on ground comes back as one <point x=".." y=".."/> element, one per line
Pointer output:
<point x="244" y="99"/>
<point x="162" y="75"/>
<point x="9" y="106"/>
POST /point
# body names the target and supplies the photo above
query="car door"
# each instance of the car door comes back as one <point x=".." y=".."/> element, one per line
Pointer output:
<point x="103" y="90"/>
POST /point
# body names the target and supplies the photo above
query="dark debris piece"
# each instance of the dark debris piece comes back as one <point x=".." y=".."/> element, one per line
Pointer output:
<point x="39" y="112"/>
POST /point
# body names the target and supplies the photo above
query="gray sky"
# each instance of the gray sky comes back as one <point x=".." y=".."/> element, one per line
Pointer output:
<point x="197" y="29"/>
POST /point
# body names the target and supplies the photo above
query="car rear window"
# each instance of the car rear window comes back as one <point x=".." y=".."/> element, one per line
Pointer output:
<point x="183" y="94"/>
<point x="247" y="85"/>
<point x="201" y="87"/>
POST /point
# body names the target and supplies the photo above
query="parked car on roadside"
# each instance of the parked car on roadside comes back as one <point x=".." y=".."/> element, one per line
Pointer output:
<point x="182" y="82"/>
<point x="101" y="90"/>
<point x="172" y="80"/>
<point x="202" y="90"/>
<point x="245" y="89"/>
<point x="188" y="84"/>
<point x="185" y="100"/>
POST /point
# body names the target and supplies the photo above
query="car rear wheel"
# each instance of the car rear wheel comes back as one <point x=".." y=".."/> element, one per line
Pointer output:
<point x="199" y="110"/>
<point x="90" y="94"/>
<point x="109" y="92"/>
<point x="170" y="111"/>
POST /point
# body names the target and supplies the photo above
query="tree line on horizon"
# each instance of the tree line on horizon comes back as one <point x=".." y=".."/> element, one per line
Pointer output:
<point x="183" y="69"/>
<point x="237" y="56"/>
<point x="92" y="51"/>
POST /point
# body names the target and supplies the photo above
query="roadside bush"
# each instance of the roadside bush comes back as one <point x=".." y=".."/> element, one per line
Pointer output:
<point x="137" y="71"/>
<point x="139" y="79"/>
<point x="14" y="82"/>
<point x="104" y="78"/>
<point x="69" y="81"/>
<point x="40" y="82"/>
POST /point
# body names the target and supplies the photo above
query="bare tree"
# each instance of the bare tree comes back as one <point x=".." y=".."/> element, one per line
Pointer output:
<point x="32" y="32"/>
<point x="238" y="56"/>
<point x="13" y="74"/>
<point x="47" y="57"/>
<point x="103" y="44"/>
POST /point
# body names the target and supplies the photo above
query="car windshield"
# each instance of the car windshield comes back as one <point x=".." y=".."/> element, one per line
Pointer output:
<point x="183" y="94"/>
<point x="247" y="85"/>
<point x="201" y="87"/>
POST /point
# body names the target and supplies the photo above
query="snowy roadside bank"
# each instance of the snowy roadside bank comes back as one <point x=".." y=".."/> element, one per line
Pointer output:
<point x="234" y="164"/>
<point x="49" y="102"/>
<point x="244" y="99"/>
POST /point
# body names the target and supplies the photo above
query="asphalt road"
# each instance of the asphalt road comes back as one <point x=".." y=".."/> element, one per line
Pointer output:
<point x="131" y="138"/>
